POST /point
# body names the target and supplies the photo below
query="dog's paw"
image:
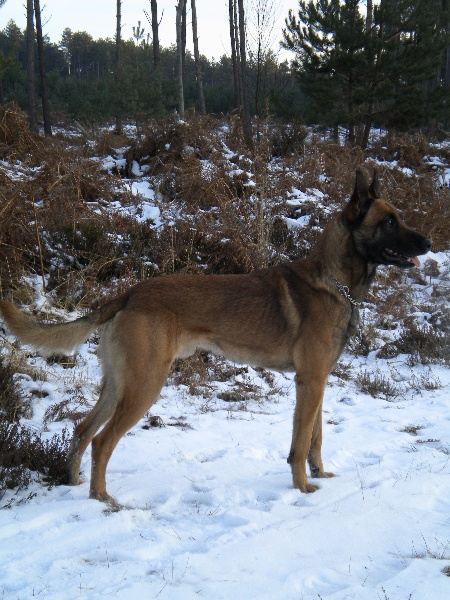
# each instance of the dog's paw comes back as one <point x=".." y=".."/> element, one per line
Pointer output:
<point x="309" y="488"/>
<point x="113" y="505"/>
<point x="322" y="475"/>
<point x="305" y="487"/>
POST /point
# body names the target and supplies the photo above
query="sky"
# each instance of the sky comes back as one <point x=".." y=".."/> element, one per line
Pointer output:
<point x="98" y="18"/>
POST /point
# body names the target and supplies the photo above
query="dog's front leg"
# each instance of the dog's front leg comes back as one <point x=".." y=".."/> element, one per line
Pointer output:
<point x="307" y="431"/>
<point x="315" y="450"/>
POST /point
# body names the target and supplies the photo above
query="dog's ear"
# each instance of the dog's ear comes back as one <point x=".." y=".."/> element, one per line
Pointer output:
<point x="360" y="200"/>
<point x="374" y="189"/>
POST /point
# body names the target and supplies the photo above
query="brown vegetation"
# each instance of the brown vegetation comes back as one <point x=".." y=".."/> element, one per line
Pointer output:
<point x="223" y="210"/>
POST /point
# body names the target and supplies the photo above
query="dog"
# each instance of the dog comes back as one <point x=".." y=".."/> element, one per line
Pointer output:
<point x="295" y="317"/>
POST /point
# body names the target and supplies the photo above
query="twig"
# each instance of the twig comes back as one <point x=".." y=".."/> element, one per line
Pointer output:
<point x="39" y="244"/>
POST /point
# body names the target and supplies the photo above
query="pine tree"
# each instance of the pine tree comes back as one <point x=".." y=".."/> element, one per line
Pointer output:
<point x="354" y="74"/>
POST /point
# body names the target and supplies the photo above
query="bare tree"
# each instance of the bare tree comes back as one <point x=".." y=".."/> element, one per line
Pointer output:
<point x="155" y="32"/>
<point x="179" y="17"/>
<point x="183" y="36"/>
<point x="118" y="129"/>
<point x="234" y="52"/>
<point x="261" y="38"/>
<point x="444" y="74"/>
<point x="157" y="79"/>
<point x="42" y="73"/>
<point x="238" y="54"/>
<point x="198" y="71"/>
<point x="245" y="113"/>
<point x="239" y="60"/>
<point x="30" y="67"/>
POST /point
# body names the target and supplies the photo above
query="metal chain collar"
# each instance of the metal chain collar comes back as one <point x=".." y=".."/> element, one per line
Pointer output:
<point x="344" y="291"/>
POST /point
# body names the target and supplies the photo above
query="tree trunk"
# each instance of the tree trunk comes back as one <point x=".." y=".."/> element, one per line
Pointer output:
<point x="369" y="15"/>
<point x="446" y="61"/>
<point x="369" y="108"/>
<point x="246" y="121"/>
<point x="234" y="60"/>
<point x="179" y="13"/>
<point x="30" y="67"/>
<point x="155" y="33"/>
<point x="156" y="56"/>
<point x="117" y="65"/>
<point x="42" y="73"/>
<point x="366" y="133"/>
<point x="183" y="37"/>
<point x="198" y="71"/>
<point x="238" y="55"/>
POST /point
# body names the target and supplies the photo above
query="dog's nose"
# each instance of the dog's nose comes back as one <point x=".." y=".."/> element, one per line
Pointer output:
<point x="426" y="245"/>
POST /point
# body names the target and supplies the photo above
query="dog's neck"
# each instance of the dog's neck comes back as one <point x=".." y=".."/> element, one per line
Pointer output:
<point x="344" y="264"/>
<point x="344" y="291"/>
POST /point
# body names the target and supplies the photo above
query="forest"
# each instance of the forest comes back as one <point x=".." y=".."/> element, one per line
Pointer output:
<point x="122" y="160"/>
<point x="354" y="64"/>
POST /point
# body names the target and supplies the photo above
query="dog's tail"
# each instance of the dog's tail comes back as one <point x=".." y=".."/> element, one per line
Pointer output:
<point x="58" y="338"/>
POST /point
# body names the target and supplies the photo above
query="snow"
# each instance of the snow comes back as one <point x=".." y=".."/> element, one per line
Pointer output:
<point x="209" y="507"/>
<point x="297" y="196"/>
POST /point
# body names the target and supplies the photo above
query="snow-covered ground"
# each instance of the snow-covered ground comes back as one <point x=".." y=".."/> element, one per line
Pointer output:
<point x="209" y="509"/>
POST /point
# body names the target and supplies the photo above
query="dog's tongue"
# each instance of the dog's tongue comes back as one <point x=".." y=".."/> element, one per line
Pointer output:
<point x="415" y="261"/>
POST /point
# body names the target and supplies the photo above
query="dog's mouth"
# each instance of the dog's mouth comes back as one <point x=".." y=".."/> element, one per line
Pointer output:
<point x="400" y="260"/>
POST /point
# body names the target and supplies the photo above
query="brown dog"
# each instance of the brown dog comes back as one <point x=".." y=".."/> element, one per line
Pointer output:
<point x="294" y="317"/>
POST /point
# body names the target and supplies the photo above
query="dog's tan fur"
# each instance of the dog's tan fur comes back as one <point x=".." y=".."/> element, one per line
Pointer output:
<point x="289" y="318"/>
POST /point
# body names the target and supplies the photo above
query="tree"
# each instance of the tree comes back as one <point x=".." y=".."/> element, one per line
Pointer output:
<point x="354" y="73"/>
<point x="235" y="52"/>
<point x="260" y="42"/>
<point x="42" y="73"/>
<point x="444" y="71"/>
<point x="183" y="36"/>
<point x="139" y="34"/>
<point x="327" y="39"/>
<point x="118" y="129"/>
<point x="157" y="77"/>
<point x="198" y="70"/>
<point x="6" y="62"/>
<point x="155" y="31"/>
<point x="407" y="51"/>
<point x="30" y="67"/>
<point x="239" y="58"/>
<point x="180" y="7"/>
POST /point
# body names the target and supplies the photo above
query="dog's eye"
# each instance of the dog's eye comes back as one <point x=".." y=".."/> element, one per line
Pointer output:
<point x="390" y="222"/>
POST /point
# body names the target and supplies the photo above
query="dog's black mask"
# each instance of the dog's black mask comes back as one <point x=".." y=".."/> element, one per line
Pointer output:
<point x="379" y="233"/>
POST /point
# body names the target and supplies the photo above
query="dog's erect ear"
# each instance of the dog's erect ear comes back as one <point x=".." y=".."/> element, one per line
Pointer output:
<point x="361" y="199"/>
<point x="374" y="189"/>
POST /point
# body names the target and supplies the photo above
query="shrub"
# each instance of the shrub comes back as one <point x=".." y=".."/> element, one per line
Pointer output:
<point x="23" y="452"/>
<point x="378" y="385"/>
<point x="11" y="404"/>
<point x="423" y="343"/>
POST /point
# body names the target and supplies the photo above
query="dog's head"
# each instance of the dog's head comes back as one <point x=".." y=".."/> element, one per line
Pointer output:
<point x="379" y="233"/>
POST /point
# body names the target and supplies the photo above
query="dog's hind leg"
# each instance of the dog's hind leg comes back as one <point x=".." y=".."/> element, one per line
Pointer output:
<point x="146" y="354"/>
<point x="110" y="394"/>
<point x="86" y="429"/>
<point x="132" y="407"/>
